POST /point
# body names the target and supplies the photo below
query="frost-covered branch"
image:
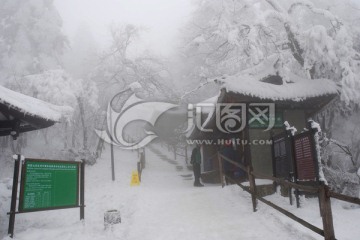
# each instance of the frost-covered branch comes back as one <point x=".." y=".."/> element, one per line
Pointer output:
<point x="276" y="6"/>
<point x="315" y="10"/>
<point x="201" y="85"/>
<point x="344" y="147"/>
<point x="294" y="45"/>
<point x="281" y="15"/>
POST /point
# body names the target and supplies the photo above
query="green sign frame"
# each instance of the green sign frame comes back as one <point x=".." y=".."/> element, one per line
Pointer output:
<point x="49" y="185"/>
<point x="278" y="122"/>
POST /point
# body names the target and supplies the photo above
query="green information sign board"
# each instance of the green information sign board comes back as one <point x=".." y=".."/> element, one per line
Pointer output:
<point x="47" y="184"/>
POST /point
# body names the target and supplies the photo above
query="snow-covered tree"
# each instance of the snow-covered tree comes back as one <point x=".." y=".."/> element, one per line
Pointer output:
<point x="227" y="36"/>
<point x="30" y="38"/>
<point x="31" y="42"/>
<point x="57" y="87"/>
<point x="121" y="65"/>
<point x="73" y="136"/>
<point x="32" y="49"/>
<point x="324" y="47"/>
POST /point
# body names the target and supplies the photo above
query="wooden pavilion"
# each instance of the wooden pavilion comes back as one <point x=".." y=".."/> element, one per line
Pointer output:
<point x="296" y="99"/>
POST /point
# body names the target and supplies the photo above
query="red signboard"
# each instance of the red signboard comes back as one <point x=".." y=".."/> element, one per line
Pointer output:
<point x="304" y="157"/>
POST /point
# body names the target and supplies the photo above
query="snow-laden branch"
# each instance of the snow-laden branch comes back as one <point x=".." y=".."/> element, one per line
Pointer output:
<point x="201" y="85"/>
<point x="271" y="14"/>
<point x="276" y="6"/>
<point x="344" y="147"/>
<point x="315" y="10"/>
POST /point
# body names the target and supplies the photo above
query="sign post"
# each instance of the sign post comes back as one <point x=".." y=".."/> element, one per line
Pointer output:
<point x="14" y="195"/>
<point x="82" y="190"/>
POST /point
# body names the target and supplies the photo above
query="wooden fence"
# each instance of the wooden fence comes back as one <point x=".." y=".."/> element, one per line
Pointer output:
<point x="323" y="191"/>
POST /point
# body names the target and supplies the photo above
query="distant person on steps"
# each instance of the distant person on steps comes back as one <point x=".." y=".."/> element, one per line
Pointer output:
<point x="196" y="161"/>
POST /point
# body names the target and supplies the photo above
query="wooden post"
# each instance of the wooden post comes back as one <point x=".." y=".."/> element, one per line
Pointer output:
<point x="14" y="196"/>
<point x="297" y="198"/>
<point x="252" y="187"/>
<point x="295" y="173"/>
<point x="221" y="170"/>
<point x="314" y="132"/>
<point x="186" y="155"/>
<point x="82" y="190"/>
<point x="292" y="166"/>
<point x="273" y="160"/>
<point x="326" y="213"/>
<point x="290" y="189"/>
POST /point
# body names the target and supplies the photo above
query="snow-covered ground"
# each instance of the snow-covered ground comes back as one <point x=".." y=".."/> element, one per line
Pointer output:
<point x="167" y="206"/>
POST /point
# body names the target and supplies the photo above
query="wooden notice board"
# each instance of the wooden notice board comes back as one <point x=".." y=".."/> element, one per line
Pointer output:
<point x="306" y="162"/>
<point x="48" y="184"/>
<point x="282" y="159"/>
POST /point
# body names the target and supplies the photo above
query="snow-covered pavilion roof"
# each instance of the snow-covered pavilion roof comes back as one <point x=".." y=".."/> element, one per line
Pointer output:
<point x="269" y="81"/>
<point x="30" y="112"/>
<point x="296" y="91"/>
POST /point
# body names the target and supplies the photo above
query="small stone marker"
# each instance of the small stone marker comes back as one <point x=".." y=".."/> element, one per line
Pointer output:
<point x="111" y="217"/>
<point x="135" y="181"/>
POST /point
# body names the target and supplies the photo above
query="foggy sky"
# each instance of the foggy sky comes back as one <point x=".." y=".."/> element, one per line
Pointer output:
<point x="161" y="18"/>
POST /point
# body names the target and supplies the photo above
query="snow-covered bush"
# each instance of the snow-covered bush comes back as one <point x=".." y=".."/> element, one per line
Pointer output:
<point x="340" y="159"/>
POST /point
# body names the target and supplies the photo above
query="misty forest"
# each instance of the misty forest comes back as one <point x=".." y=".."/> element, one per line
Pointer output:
<point x="222" y="44"/>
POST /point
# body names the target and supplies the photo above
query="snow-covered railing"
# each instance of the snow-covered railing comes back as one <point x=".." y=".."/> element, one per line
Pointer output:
<point x="344" y="198"/>
<point x="182" y="153"/>
<point x="323" y="191"/>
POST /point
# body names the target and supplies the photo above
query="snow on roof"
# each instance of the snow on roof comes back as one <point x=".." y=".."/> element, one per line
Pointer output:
<point x="33" y="106"/>
<point x="251" y="82"/>
<point x="297" y="91"/>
